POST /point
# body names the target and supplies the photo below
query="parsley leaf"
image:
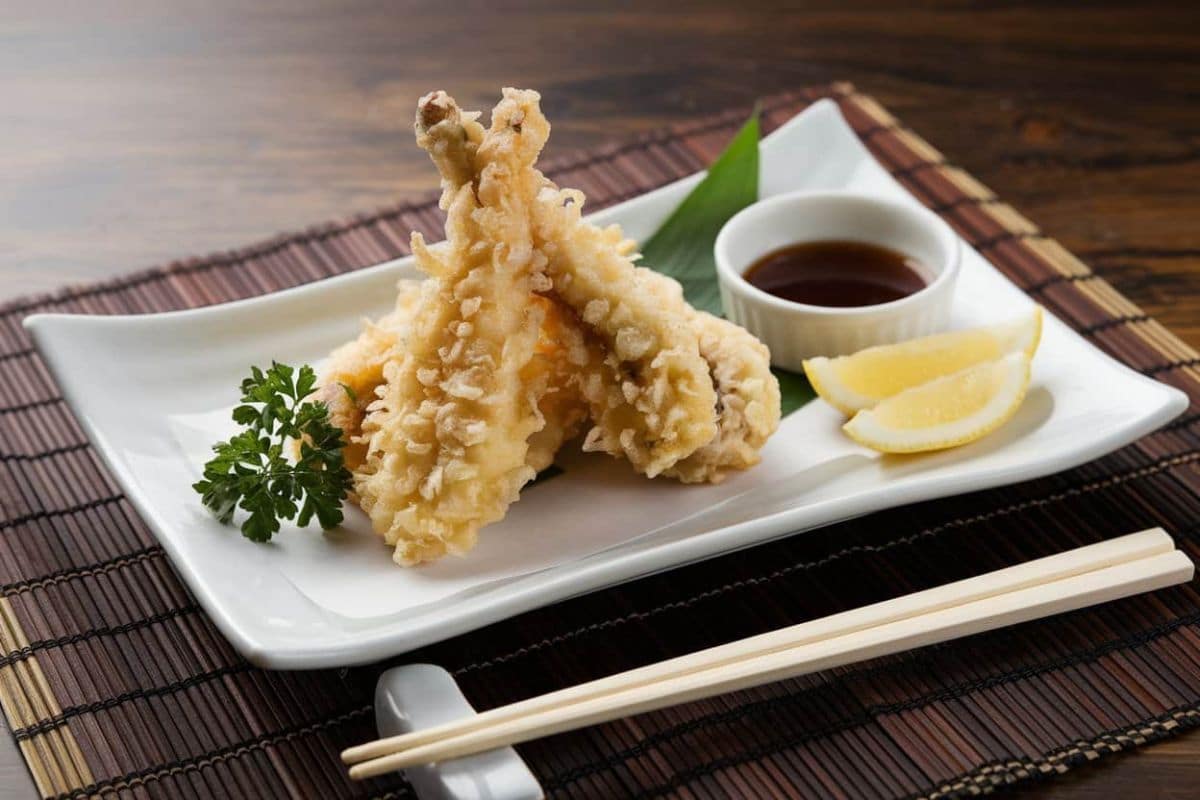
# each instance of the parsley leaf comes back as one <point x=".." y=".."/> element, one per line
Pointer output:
<point x="252" y="470"/>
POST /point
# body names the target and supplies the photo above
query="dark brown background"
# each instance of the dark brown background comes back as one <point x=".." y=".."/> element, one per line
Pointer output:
<point x="132" y="133"/>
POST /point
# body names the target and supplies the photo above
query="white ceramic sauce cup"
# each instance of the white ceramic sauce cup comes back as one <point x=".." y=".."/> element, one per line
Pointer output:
<point x="796" y="331"/>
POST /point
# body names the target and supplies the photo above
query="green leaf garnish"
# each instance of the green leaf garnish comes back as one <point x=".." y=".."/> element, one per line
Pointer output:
<point x="683" y="246"/>
<point x="252" y="470"/>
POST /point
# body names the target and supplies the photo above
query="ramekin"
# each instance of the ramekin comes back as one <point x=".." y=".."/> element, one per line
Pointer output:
<point x="796" y="331"/>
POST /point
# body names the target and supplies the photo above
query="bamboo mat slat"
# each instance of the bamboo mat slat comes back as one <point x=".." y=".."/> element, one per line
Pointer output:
<point x="114" y="682"/>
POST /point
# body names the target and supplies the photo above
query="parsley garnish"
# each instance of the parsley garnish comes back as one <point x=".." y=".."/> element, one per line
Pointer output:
<point x="252" y="470"/>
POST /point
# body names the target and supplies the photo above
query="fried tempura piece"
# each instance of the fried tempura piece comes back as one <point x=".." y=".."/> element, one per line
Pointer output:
<point x="650" y="397"/>
<point x="739" y="365"/>
<point x="350" y="381"/>
<point x="448" y="439"/>
<point x="748" y="401"/>
<point x="553" y="376"/>
<point x="355" y="370"/>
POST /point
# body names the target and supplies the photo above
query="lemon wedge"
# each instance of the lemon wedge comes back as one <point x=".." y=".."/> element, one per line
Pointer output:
<point x="854" y="382"/>
<point x="947" y="411"/>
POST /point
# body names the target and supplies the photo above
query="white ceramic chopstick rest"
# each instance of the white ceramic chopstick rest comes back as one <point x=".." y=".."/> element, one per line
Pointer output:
<point x="418" y="696"/>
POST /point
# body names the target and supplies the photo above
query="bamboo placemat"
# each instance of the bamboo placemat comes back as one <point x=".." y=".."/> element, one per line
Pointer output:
<point x="115" y="682"/>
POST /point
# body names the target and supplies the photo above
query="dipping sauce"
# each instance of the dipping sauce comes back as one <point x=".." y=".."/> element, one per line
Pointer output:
<point x="837" y="273"/>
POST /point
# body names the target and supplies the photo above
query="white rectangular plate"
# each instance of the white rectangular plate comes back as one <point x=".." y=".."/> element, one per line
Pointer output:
<point x="154" y="392"/>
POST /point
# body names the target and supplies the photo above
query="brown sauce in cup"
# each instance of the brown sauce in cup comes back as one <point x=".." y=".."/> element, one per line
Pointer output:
<point x="837" y="273"/>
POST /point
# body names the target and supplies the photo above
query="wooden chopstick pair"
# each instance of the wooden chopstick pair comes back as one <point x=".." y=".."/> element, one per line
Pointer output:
<point x="1109" y="570"/>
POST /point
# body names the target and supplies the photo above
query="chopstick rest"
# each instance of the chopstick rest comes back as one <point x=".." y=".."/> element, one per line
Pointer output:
<point x="418" y="696"/>
<point x="1073" y="562"/>
<point x="1085" y="576"/>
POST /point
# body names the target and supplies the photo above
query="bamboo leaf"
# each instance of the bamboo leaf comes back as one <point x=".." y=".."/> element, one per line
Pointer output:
<point x="683" y="246"/>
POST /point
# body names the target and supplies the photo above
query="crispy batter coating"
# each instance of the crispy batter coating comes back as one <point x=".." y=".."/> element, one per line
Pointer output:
<point x="532" y="322"/>
<point x="355" y="370"/>
<point x="748" y="401"/>
<point x="448" y="436"/>
<point x="553" y="377"/>
<point x="650" y="397"/>
<point x="351" y="379"/>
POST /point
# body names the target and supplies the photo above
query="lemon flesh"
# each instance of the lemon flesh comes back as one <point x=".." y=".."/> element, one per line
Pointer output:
<point x="852" y="383"/>
<point x="947" y="411"/>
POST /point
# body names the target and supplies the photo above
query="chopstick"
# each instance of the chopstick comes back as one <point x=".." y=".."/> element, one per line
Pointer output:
<point x="1085" y="576"/>
<point x="1061" y="565"/>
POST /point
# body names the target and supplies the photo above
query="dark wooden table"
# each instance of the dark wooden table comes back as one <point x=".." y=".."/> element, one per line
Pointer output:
<point x="135" y="132"/>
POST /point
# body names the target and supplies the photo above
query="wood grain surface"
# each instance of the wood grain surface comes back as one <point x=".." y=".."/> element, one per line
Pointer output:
<point x="135" y="132"/>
